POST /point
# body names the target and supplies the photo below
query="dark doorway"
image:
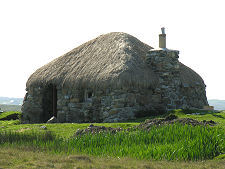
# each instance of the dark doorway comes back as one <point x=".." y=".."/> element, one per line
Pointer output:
<point x="49" y="102"/>
<point x="54" y="99"/>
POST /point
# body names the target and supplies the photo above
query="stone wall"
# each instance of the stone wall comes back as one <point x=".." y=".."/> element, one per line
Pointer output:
<point x="174" y="93"/>
<point x="103" y="106"/>
<point x="32" y="110"/>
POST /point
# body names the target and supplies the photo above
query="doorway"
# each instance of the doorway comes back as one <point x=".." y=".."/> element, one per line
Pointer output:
<point x="49" y="102"/>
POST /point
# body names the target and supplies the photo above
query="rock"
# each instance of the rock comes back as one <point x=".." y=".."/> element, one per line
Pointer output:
<point x="114" y="111"/>
<point x="171" y="117"/>
<point x="61" y="116"/>
<point x="43" y="127"/>
<point x="53" y="119"/>
<point x="75" y="100"/>
<point x="96" y="129"/>
<point x="91" y="125"/>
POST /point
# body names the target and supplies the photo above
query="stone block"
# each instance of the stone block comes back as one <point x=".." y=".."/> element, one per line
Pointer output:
<point x="121" y="100"/>
<point x="67" y="97"/>
<point x="65" y="108"/>
<point x="118" y="105"/>
<point x="72" y="105"/>
<point x="98" y="93"/>
<point x="61" y="116"/>
<point x="79" y="105"/>
<point x="114" y="111"/>
<point x="165" y="74"/>
<point x="156" y="98"/>
<point x="75" y="100"/>
<point x="105" y="114"/>
<point x="74" y="110"/>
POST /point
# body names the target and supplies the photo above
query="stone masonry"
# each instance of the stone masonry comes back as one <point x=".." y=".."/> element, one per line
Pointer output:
<point x="166" y="65"/>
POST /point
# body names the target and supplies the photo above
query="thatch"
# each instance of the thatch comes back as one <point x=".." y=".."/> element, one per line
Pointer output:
<point x="111" y="60"/>
<point x="190" y="77"/>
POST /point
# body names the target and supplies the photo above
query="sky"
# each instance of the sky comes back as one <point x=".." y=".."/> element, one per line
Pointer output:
<point x="34" y="32"/>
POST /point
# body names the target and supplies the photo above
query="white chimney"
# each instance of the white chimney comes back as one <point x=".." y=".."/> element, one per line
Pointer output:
<point x="162" y="39"/>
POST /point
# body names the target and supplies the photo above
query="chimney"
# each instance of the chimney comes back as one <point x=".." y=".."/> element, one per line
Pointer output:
<point x="162" y="39"/>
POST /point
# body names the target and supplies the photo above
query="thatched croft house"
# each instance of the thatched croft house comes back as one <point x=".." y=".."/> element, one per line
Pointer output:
<point x="111" y="78"/>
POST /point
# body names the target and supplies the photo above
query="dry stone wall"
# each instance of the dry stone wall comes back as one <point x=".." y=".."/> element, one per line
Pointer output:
<point x="104" y="106"/>
<point x="174" y="94"/>
<point x="166" y="65"/>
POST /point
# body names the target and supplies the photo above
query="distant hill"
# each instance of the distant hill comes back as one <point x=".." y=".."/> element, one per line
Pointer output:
<point x="11" y="100"/>
<point x="10" y="104"/>
<point x="218" y="104"/>
<point x="6" y="107"/>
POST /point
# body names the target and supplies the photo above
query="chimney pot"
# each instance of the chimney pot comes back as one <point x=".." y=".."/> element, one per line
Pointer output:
<point x="162" y="39"/>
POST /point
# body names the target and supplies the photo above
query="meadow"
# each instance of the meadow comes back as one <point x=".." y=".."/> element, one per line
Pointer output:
<point x="177" y="143"/>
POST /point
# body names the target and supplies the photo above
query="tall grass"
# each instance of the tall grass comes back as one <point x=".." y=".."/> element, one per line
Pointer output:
<point x="172" y="142"/>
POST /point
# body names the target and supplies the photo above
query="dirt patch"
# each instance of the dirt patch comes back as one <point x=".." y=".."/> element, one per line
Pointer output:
<point x="96" y="129"/>
<point x="170" y="119"/>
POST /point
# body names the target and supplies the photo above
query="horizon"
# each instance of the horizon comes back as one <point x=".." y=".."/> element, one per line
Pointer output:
<point x="34" y="33"/>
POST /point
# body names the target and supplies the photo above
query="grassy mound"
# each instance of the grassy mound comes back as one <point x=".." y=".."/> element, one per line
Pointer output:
<point x="11" y="115"/>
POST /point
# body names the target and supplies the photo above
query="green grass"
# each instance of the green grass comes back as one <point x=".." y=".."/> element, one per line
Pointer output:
<point x="172" y="142"/>
<point x="168" y="142"/>
<point x="218" y="117"/>
<point x="5" y="123"/>
<point x="65" y="130"/>
<point x="10" y="114"/>
<point x="25" y="158"/>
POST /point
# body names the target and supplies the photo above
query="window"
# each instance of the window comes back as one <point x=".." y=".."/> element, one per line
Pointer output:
<point x="89" y="95"/>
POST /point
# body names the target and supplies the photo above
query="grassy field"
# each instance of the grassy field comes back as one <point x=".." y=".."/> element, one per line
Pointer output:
<point x="25" y="158"/>
<point x="133" y="150"/>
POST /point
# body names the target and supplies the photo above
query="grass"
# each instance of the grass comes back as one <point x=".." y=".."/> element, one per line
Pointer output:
<point x="65" y="130"/>
<point x="10" y="115"/>
<point x="201" y="143"/>
<point x="171" y="142"/>
<point x="218" y="117"/>
<point x="28" y="159"/>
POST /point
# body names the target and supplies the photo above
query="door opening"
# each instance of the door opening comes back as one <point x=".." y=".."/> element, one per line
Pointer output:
<point x="49" y="103"/>
<point x="54" y="100"/>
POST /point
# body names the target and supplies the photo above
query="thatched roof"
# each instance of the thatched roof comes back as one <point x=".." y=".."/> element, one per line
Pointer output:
<point x="111" y="60"/>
